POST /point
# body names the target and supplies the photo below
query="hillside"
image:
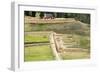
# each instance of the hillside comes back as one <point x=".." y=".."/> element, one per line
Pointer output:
<point x="68" y="25"/>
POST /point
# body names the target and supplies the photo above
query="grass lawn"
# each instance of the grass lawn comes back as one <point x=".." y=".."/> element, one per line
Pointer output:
<point x="38" y="53"/>
<point x="36" y="38"/>
<point x="75" y="55"/>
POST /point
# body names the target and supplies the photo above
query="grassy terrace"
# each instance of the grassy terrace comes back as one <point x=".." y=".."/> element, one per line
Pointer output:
<point x="75" y="55"/>
<point x="77" y="40"/>
<point x="38" y="53"/>
<point x="56" y="20"/>
<point x="79" y="48"/>
<point x="75" y="35"/>
<point x="36" y="38"/>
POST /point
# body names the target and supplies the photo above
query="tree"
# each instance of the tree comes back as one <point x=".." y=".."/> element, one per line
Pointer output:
<point x="37" y="15"/>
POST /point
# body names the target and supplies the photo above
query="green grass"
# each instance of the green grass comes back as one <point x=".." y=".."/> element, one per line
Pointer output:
<point x="85" y="43"/>
<point x="28" y="27"/>
<point x="38" y="53"/>
<point x="80" y="40"/>
<point x="36" y="38"/>
<point x="75" y="55"/>
<point x="77" y="42"/>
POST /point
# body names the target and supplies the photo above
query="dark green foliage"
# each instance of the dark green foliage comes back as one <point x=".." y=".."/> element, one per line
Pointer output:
<point x="30" y="13"/>
<point x="78" y="16"/>
<point x="41" y="14"/>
